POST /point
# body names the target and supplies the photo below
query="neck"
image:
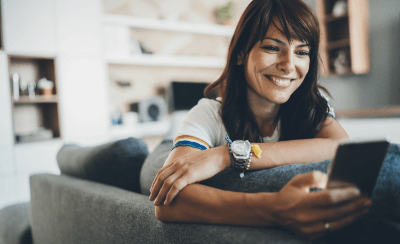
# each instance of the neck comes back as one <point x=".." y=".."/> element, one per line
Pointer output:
<point x="264" y="112"/>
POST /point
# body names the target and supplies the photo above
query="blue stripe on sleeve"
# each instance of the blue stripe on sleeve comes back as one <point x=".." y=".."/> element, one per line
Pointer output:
<point x="190" y="144"/>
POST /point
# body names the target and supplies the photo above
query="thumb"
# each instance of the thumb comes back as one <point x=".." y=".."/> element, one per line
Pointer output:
<point x="310" y="179"/>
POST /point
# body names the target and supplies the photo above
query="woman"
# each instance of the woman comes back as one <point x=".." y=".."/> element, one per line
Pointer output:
<point x="268" y="95"/>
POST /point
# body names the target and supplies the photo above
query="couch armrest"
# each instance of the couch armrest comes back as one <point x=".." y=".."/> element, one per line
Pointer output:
<point x="65" y="209"/>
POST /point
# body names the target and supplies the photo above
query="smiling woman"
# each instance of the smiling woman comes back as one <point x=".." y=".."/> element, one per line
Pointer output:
<point x="268" y="100"/>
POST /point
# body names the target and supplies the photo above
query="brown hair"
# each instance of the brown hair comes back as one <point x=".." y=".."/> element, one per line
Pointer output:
<point x="304" y="113"/>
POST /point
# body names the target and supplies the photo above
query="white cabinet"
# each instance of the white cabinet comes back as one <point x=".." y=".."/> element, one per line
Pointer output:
<point x="8" y="190"/>
<point x="83" y="98"/>
<point x="6" y="134"/>
<point x="6" y="160"/>
<point x="29" y="27"/>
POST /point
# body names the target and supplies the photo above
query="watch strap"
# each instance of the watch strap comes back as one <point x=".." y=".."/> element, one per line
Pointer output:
<point x="233" y="161"/>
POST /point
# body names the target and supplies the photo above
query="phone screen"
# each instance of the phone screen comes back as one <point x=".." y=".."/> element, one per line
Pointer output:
<point x="357" y="163"/>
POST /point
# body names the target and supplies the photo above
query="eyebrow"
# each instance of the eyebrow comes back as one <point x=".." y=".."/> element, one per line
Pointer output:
<point x="282" y="42"/>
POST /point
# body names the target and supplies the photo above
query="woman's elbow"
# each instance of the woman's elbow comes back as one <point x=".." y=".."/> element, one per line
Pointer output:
<point x="162" y="213"/>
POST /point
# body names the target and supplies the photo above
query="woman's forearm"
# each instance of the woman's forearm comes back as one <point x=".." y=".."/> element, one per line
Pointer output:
<point x="202" y="204"/>
<point x="294" y="152"/>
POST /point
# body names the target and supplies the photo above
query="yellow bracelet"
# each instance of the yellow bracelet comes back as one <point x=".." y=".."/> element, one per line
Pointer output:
<point x="256" y="150"/>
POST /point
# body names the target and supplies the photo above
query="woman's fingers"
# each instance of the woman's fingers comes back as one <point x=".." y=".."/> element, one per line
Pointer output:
<point x="166" y="187"/>
<point x="310" y="179"/>
<point x="175" y="188"/>
<point x="162" y="175"/>
<point x="342" y="210"/>
<point x="322" y="227"/>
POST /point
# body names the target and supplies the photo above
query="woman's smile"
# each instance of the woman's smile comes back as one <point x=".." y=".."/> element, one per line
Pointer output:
<point x="279" y="81"/>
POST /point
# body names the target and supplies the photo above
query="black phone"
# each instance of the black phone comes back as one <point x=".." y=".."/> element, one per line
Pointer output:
<point x="357" y="163"/>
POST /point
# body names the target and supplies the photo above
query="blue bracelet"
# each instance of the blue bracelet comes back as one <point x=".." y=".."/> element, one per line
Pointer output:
<point x="233" y="161"/>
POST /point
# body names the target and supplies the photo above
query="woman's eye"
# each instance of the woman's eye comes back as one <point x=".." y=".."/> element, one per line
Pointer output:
<point x="303" y="53"/>
<point x="271" y="48"/>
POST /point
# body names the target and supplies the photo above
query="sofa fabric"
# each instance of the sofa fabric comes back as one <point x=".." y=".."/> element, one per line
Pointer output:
<point x="117" y="163"/>
<point x="152" y="164"/>
<point x="15" y="227"/>
<point x="66" y="209"/>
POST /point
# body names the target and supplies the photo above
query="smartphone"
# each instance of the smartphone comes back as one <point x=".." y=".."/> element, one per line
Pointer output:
<point x="357" y="163"/>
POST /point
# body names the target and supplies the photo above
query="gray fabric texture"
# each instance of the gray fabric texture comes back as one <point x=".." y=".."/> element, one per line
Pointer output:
<point x="66" y="210"/>
<point x="117" y="163"/>
<point x="152" y="164"/>
<point x="14" y="224"/>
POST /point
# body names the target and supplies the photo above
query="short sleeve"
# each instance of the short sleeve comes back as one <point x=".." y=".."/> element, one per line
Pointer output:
<point x="331" y="112"/>
<point x="202" y="127"/>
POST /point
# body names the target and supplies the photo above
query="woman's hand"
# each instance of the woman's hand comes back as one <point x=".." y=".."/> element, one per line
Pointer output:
<point x="313" y="214"/>
<point x="187" y="169"/>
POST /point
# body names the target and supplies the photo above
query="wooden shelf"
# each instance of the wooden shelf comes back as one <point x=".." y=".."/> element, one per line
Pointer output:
<point x="350" y="32"/>
<point x="35" y="119"/>
<point x="385" y="112"/>
<point x="331" y="18"/>
<point x="169" y="61"/>
<point x="166" y="25"/>
<point x="37" y="99"/>
<point x="338" y="44"/>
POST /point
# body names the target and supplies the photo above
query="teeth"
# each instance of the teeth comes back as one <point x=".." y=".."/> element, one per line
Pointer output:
<point x="283" y="82"/>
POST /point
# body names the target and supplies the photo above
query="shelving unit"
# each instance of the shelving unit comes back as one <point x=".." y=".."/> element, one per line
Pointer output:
<point x="347" y="34"/>
<point x="129" y="23"/>
<point x="34" y="118"/>
<point x="168" y="61"/>
<point x="167" y="25"/>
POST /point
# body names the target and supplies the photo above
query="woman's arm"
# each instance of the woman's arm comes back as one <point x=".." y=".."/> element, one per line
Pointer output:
<point x="319" y="148"/>
<point x="294" y="207"/>
<point x="186" y="165"/>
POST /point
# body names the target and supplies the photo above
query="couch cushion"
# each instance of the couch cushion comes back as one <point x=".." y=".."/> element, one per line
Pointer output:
<point x="117" y="163"/>
<point x="152" y="164"/>
<point x="14" y="224"/>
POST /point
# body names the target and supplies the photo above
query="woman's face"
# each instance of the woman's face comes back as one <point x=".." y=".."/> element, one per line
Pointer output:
<point x="275" y="68"/>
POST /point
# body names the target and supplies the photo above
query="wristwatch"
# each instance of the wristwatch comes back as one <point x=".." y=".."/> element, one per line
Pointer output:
<point x="241" y="151"/>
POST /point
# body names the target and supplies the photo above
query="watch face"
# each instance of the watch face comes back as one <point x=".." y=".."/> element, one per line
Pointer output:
<point x="241" y="147"/>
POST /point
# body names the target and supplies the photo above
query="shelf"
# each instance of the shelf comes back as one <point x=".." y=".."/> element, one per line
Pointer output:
<point x="37" y="99"/>
<point x="332" y="18"/>
<point x="167" y="25"/>
<point x="169" y="61"/>
<point x="349" y="31"/>
<point x="35" y="119"/>
<point x="338" y="44"/>
<point x="384" y="112"/>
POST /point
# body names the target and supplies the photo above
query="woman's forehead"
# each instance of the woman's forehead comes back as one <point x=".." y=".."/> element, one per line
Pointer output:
<point x="275" y="31"/>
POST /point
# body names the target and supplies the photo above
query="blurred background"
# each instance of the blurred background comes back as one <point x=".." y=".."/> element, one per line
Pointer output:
<point x="88" y="72"/>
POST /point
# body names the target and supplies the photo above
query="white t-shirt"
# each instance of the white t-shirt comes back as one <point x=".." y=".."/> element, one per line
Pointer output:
<point x="203" y="128"/>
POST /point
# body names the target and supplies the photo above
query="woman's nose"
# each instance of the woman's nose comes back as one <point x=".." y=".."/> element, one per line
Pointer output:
<point x="285" y="62"/>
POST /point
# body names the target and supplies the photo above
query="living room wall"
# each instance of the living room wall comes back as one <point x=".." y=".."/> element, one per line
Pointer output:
<point x="381" y="87"/>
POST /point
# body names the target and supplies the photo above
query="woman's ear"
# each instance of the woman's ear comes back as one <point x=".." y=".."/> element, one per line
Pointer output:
<point x="240" y="59"/>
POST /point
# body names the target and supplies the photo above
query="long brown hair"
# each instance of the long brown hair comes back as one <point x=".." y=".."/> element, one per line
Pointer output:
<point x="304" y="113"/>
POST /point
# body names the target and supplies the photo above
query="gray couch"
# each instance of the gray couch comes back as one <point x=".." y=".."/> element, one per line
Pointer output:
<point x="102" y="197"/>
